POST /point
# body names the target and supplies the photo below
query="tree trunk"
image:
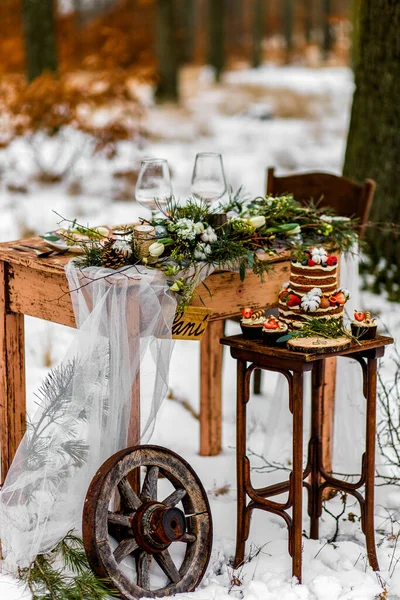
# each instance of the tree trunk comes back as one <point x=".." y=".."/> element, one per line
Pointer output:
<point x="187" y="30"/>
<point x="355" y="34"/>
<point x="308" y="20"/>
<point x="373" y="145"/>
<point x="327" y="37"/>
<point x="40" y="43"/>
<point x="167" y="88"/>
<point x="258" y="32"/>
<point x="288" y="27"/>
<point x="216" y="18"/>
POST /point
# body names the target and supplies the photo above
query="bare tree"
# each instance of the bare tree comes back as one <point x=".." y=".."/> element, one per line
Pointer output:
<point x="39" y="36"/>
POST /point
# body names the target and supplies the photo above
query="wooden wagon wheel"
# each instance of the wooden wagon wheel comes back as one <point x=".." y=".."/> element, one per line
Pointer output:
<point x="143" y="530"/>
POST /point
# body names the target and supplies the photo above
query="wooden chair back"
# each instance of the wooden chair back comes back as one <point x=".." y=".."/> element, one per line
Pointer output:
<point x="348" y="198"/>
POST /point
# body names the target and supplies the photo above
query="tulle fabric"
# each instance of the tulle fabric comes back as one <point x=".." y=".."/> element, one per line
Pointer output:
<point x="349" y="421"/>
<point x="43" y="495"/>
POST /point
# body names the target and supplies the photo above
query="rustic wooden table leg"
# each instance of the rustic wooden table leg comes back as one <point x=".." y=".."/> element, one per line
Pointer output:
<point x="12" y="377"/>
<point x="211" y="390"/>
<point x="369" y="464"/>
<point x="328" y="410"/>
<point x="296" y="480"/>
<point x="315" y="478"/>
<point x="240" y="458"/>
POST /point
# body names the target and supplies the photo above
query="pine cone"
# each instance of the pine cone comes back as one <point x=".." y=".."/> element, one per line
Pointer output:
<point x="113" y="258"/>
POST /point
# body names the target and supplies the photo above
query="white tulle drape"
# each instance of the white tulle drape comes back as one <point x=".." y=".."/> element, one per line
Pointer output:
<point x="349" y="423"/>
<point x="123" y="319"/>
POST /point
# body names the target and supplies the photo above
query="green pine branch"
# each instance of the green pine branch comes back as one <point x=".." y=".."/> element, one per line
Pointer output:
<point x="65" y="574"/>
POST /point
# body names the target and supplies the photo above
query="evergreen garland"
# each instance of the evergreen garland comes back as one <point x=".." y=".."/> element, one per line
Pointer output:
<point x="65" y="574"/>
<point x="253" y="231"/>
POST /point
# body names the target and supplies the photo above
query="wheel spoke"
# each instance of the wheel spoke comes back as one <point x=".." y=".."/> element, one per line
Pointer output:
<point x="143" y="570"/>
<point x="128" y="494"/>
<point x="149" y="489"/>
<point x="175" y="497"/>
<point x="166" y="563"/>
<point x="125" y="548"/>
<point x="188" y="538"/>
<point x="120" y="520"/>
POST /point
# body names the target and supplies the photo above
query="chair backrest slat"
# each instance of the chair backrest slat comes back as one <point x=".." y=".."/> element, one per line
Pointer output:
<point x="348" y="198"/>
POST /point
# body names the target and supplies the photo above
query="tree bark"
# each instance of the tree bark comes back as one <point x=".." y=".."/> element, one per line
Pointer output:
<point x="355" y="34"/>
<point x="288" y="27"/>
<point x="39" y="36"/>
<point x="216" y="18"/>
<point x="308" y="20"/>
<point x="167" y="88"/>
<point x="327" y="37"/>
<point x="258" y="32"/>
<point x="373" y="145"/>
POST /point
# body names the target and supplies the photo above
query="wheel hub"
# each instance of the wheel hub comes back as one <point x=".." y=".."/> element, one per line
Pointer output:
<point x="156" y="526"/>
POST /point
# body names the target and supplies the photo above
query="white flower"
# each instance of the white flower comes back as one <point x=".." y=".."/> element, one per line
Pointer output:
<point x="102" y="231"/>
<point x="176" y="286"/>
<point x="329" y="219"/>
<point x="199" y="227"/>
<point x="319" y="255"/>
<point x="201" y="251"/>
<point x="156" y="249"/>
<point x="209" y="235"/>
<point x="257" y="222"/>
<point x="232" y="214"/>
<point x="294" y="231"/>
<point x="346" y="293"/>
<point x="315" y="292"/>
<point x="122" y="246"/>
<point x="185" y="229"/>
<point x="310" y="303"/>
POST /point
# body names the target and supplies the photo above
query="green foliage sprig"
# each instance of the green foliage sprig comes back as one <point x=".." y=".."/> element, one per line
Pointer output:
<point x="65" y="574"/>
<point x="314" y="327"/>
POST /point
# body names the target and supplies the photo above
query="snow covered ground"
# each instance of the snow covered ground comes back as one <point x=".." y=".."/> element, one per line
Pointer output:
<point x="294" y="119"/>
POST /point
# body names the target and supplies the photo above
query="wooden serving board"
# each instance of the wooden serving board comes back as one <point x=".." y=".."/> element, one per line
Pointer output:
<point x="319" y="345"/>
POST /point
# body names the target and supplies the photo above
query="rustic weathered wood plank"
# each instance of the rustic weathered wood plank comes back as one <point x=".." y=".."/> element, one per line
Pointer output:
<point x="12" y="377"/>
<point x="211" y="390"/>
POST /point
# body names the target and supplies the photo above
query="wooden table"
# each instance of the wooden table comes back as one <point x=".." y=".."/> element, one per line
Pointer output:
<point x="316" y="477"/>
<point x="39" y="288"/>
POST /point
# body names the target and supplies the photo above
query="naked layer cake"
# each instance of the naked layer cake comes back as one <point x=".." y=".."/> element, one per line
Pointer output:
<point x="312" y="290"/>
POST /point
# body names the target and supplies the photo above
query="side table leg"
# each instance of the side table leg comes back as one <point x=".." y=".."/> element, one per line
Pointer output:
<point x="318" y="373"/>
<point x="211" y="390"/>
<point x="328" y="409"/>
<point x="296" y="481"/>
<point x="12" y="377"/>
<point x="369" y="463"/>
<point x="240" y="458"/>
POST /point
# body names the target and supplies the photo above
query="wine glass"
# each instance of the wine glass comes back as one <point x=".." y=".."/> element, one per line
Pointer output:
<point x="153" y="187"/>
<point x="208" y="179"/>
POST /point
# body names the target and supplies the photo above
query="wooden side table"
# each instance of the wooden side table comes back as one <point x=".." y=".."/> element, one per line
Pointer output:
<point x="316" y="478"/>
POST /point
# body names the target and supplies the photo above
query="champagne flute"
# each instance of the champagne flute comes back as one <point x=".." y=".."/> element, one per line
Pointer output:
<point x="153" y="187"/>
<point x="208" y="179"/>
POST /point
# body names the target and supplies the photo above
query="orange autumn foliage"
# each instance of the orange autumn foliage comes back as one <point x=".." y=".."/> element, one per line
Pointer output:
<point x="100" y="105"/>
<point x="121" y="37"/>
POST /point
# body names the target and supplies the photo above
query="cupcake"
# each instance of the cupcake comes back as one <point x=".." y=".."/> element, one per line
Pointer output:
<point x="363" y="327"/>
<point x="272" y="330"/>
<point x="251" y="323"/>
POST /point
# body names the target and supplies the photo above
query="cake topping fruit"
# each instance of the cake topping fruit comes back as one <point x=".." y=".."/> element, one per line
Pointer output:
<point x="293" y="299"/>
<point x="247" y="312"/>
<point x="359" y="316"/>
<point x="364" y="319"/>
